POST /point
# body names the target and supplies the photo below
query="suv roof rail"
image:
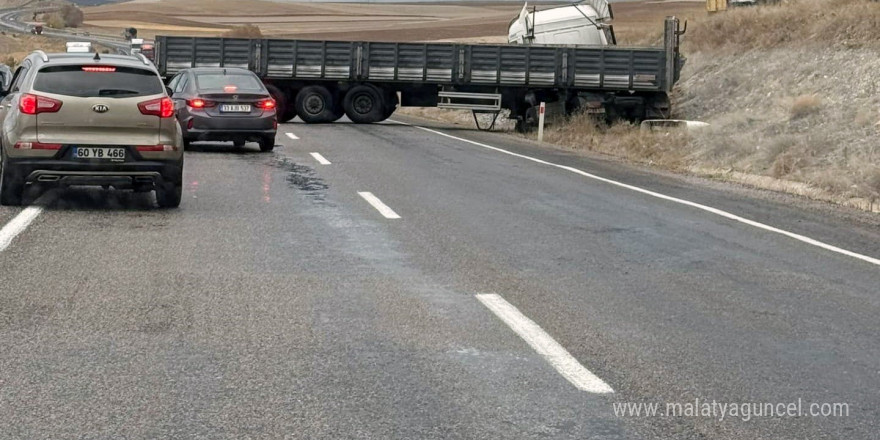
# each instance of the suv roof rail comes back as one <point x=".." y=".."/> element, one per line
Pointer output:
<point x="42" y="55"/>
<point x="143" y="58"/>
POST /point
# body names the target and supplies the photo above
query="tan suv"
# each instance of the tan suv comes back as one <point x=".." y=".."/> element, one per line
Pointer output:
<point x="89" y="119"/>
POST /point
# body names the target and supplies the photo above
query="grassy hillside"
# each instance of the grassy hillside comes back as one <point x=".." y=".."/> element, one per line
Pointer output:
<point x="793" y="96"/>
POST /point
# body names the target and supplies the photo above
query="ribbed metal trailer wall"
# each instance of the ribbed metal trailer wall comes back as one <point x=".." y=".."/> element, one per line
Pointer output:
<point x="604" y="68"/>
<point x="512" y="75"/>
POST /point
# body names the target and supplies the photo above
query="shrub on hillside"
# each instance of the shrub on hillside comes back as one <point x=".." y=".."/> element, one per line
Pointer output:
<point x="67" y="16"/>
<point x="54" y="21"/>
<point x="805" y="105"/>
<point x="244" y="31"/>
<point x="72" y="16"/>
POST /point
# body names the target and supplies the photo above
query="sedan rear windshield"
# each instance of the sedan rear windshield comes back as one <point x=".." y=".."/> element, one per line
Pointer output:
<point x="219" y="81"/>
<point x="94" y="81"/>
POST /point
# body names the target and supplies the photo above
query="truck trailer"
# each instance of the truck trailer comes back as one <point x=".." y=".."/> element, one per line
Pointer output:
<point x="320" y="81"/>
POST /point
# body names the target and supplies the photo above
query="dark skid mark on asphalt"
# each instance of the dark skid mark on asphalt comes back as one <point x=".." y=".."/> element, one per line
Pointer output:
<point x="302" y="177"/>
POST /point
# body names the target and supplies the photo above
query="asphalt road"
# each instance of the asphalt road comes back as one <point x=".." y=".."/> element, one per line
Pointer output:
<point x="277" y="302"/>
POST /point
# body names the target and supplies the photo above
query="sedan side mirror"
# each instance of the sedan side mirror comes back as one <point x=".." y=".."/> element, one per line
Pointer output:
<point x="169" y="91"/>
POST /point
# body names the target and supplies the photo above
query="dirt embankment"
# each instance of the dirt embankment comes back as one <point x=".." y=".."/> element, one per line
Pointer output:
<point x="792" y="93"/>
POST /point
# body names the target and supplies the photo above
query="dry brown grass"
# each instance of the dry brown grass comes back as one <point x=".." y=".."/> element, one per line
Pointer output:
<point x="805" y="105"/>
<point x="582" y="132"/>
<point x="798" y="23"/>
<point x="15" y="47"/>
<point x="791" y="94"/>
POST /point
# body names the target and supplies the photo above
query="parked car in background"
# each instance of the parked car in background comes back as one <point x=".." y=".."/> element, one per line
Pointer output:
<point x="72" y="119"/>
<point x="224" y="104"/>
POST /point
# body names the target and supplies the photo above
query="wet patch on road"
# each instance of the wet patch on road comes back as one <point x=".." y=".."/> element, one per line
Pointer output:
<point x="302" y="177"/>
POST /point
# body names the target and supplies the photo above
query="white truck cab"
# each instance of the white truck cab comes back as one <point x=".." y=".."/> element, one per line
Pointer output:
<point x="79" y="47"/>
<point x="136" y="45"/>
<point x="585" y="23"/>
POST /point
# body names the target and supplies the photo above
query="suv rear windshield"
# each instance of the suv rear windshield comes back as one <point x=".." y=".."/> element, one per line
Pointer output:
<point x="124" y="82"/>
<point x="219" y="81"/>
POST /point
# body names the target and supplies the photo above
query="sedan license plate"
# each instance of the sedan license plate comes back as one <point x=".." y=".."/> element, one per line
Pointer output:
<point x="115" y="153"/>
<point x="229" y="108"/>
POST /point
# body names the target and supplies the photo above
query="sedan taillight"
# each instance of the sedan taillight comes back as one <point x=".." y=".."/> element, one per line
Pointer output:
<point x="266" y="104"/>
<point x="161" y="107"/>
<point x="34" y="104"/>
<point x="200" y="103"/>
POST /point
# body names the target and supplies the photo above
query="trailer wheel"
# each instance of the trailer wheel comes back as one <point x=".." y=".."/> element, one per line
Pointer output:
<point x="284" y="111"/>
<point x="364" y="105"/>
<point x="391" y="104"/>
<point x="314" y="105"/>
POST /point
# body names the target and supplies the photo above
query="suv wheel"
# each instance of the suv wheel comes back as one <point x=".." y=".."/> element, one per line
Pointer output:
<point x="10" y="190"/>
<point x="170" y="195"/>
<point x="267" y="143"/>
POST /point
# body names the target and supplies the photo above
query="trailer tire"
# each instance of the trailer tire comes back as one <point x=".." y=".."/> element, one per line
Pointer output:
<point x="314" y="105"/>
<point x="391" y="104"/>
<point x="364" y="104"/>
<point x="284" y="111"/>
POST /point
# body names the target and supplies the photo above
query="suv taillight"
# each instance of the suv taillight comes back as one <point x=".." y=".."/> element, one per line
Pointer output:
<point x="36" y="146"/>
<point x="161" y="107"/>
<point x="266" y="104"/>
<point x="34" y="104"/>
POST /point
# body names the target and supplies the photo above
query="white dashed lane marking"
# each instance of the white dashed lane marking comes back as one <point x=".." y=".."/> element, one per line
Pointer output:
<point x="381" y="207"/>
<point x="545" y="345"/>
<point x="321" y="159"/>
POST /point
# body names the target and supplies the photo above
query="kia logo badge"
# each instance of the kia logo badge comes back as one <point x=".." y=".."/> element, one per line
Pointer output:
<point x="100" y="108"/>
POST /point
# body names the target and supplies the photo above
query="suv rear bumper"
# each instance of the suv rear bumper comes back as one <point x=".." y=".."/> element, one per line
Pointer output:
<point x="130" y="175"/>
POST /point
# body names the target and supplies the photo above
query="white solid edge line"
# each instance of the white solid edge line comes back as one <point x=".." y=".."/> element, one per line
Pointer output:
<point x="17" y="225"/>
<point x="716" y="211"/>
<point x="381" y="207"/>
<point x="292" y="136"/>
<point x="545" y="345"/>
<point x="321" y="159"/>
